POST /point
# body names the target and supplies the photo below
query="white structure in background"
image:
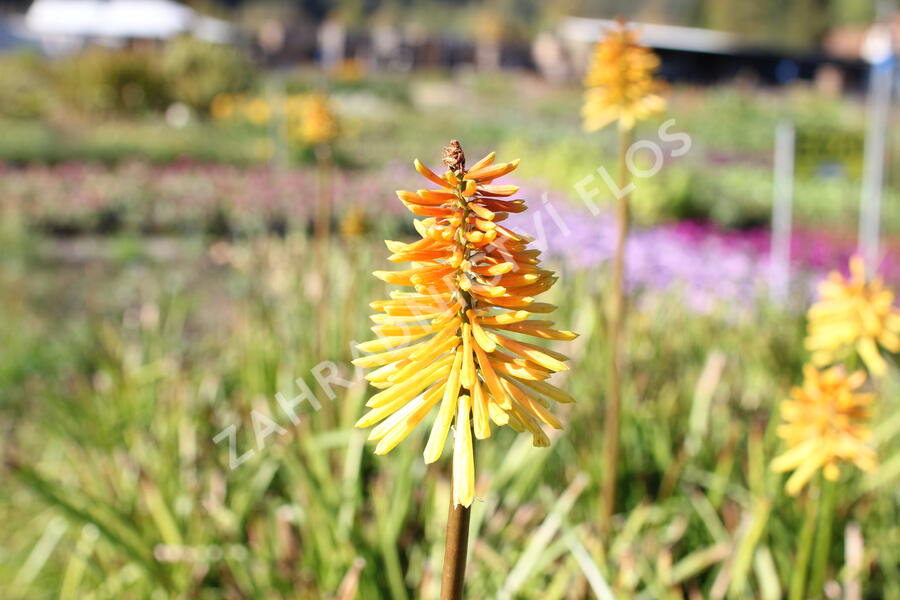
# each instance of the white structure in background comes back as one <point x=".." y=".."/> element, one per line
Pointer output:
<point x="332" y="43"/>
<point x="878" y="50"/>
<point x="673" y="37"/>
<point x="581" y="33"/>
<point x="780" y="255"/>
<point x="63" y="26"/>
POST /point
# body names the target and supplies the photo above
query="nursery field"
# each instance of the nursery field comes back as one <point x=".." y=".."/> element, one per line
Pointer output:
<point x="163" y="293"/>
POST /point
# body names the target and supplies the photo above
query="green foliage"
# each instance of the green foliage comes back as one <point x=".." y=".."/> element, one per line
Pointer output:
<point x="27" y="85"/>
<point x="117" y="140"/>
<point x="198" y="71"/>
<point x="123" y="358"/>
<point x="671" y="196"/>
<point x="99" y="82"/>
<point x="105" y="81"/>
<point x="109" y="416"/>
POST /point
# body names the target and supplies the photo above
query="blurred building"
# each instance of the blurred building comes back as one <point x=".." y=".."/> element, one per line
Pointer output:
<point x="63" y="26"/>
<point x="856" y="42"/>
<point x="15" y="36"/>
<point x="704" y="56"/>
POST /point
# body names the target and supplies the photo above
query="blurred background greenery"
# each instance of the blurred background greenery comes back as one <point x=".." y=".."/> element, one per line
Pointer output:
<point x="157" y="287"/>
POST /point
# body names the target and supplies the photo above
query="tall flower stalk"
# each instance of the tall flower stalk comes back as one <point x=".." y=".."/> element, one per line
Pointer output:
<point x="318" y="128"/>
<point x="826" y="420"/>
<point x="448" y="344"/>
<point x="620" y="88"/>
<point x="825" y="426"/>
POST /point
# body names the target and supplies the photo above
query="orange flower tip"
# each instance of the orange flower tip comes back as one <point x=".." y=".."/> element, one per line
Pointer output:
<point x="483" y="162"/>
<point x="382" y="275"/>
<point x="428" y="173"/>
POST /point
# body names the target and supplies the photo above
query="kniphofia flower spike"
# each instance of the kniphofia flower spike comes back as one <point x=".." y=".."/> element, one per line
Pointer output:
<point x="826" y="424"/>
<point x="853" y="314"/>
<point x="450" y="343"/>
<point x="620" y="83"/>
<point x="318" y="124"/>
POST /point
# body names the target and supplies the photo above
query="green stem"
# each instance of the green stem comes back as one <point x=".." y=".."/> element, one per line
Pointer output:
<point x="321" y="240"/>
<point x="804" y="547"/>
<point x="615" y="330"/>
<point x="823" y="539"/>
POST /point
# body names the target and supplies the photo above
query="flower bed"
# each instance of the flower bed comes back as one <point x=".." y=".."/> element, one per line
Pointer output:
<point x="73" y="198"/>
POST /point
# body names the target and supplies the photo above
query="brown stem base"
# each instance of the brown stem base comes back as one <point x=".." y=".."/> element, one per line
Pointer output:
<point x="455" y="548"/>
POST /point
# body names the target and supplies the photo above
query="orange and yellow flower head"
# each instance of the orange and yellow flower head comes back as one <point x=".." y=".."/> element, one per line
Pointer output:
<point x="318" y="124"/>
<point x="826" y="424"/>
<point x="450" y="343"/>
<point x="853" y="314"/>
<point x="620" y="83"/>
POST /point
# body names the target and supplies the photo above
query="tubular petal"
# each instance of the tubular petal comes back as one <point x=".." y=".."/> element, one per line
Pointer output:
<point x="438" y="437"/>
<point x="463" y="459"/>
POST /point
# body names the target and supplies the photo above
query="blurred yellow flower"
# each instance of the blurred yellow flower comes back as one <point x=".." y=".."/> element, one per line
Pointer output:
<point x="354" y="223"/>
<point x="825" y="424"/>
<point x="620" y="84"/>
<point x="350" y="69"/>
<point x="223" y="107"/>
<point x="318" y="125"/>
<point x="447" y="343"/>
<point x="257" y="111"/>
<point x="293" y="107"/>
<point x="853" y="314"/>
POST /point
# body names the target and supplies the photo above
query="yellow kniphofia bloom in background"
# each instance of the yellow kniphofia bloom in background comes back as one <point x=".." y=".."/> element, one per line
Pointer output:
<point x="318" y="124"/>
<point x="257" y="111"/>
<point x="223" y="107"/>
<point x="853" y="314"/>
<point x="620" y="83"/>
<point x="826" y="424"/>
<point x="450" y="343"/>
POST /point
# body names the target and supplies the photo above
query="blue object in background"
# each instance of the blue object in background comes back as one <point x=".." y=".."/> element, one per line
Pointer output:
<point x="786" y="71"/>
